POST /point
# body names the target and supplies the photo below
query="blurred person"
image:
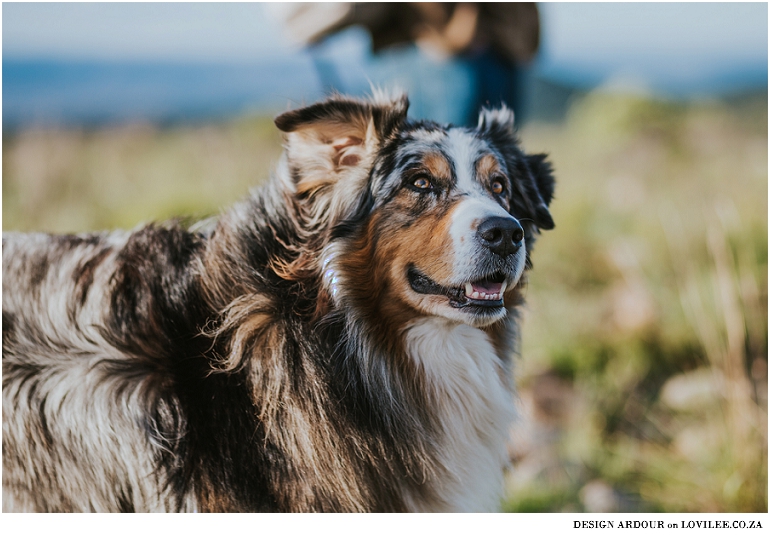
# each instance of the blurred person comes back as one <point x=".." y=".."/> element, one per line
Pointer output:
<point x="452" y="58"/>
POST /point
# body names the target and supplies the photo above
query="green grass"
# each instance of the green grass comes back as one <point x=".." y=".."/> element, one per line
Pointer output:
<point x="643" y="375"/>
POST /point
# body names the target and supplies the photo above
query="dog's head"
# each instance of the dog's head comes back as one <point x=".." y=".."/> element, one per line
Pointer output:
<point x="418" y="218"/>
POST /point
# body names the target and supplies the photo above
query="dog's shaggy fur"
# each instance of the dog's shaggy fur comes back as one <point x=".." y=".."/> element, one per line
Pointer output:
<point x="341" y="341"/>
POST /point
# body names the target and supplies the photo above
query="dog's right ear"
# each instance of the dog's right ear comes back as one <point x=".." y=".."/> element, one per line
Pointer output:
<point x="331" y="145"/>
<point x="534" y="172"/>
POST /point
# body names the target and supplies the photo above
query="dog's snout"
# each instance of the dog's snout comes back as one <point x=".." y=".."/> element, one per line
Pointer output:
<point x="501" y="235"/>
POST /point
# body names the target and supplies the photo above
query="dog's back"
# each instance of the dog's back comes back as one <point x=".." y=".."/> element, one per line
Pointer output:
<point x="77" y="419"/>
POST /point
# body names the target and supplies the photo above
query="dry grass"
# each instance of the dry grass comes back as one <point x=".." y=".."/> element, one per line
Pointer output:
<point x="71" y="181"/>
<point x="644" y="372"/>
<point x="645" y="349"/>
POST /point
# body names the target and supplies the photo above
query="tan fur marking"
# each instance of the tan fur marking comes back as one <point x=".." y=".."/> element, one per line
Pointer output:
<point x="427" y="243"/>
<point x="486" y="166"/>
<point x="379" y="295"/>
<point x="380" y="272"/>
<point x="381" y="285"/>
<point x="437" y="165"/>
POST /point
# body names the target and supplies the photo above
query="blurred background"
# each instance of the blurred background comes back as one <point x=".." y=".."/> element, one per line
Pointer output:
<point x="643" y="375"/>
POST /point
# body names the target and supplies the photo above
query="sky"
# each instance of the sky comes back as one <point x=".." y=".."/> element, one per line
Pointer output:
<point x="221" y="32"/>
<point x="575" y="30"/>
<point x="672" y="49"/>
<point x="656" y="43"/>
<point x="572" y="32"/>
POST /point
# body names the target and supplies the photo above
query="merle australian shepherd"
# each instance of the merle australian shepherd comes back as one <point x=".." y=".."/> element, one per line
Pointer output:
<point x="340" y="341"/>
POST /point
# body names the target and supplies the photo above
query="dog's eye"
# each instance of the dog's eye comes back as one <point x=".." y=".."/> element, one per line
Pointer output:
<point x="498" y="186"/>
<point x="422" y="182"/>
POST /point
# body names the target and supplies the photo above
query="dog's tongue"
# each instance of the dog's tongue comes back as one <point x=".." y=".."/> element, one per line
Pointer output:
<point x="485" y="289"/>
<point x="486" y="286"/>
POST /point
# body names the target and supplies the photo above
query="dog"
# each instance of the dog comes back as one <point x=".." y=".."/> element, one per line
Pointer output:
<point x="342" y="340"/>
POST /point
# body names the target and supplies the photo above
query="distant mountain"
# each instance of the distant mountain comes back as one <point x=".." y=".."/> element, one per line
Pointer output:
<point x="48" y="92"/>
<point x="44" y="92"/>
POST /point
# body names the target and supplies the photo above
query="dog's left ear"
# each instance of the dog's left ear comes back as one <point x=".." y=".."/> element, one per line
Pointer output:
<point x="534" y="179"/>
<point x="331" y="145"/>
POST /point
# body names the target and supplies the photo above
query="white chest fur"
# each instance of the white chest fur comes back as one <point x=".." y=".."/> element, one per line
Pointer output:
<point x="472" y="398"/>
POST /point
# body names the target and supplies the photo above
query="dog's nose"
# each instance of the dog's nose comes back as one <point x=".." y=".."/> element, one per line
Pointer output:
<point x="502" y="235"/>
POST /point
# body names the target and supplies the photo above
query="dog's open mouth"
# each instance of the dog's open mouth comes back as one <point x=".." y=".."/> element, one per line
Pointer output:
<point x="486" y="292"/>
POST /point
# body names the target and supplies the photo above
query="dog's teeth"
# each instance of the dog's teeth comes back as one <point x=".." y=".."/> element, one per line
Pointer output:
<point x="503" y="287"/>
<point x="484" y="296"/>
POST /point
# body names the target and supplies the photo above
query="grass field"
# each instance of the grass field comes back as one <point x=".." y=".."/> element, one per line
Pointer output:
<point x="643" y="375"/>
